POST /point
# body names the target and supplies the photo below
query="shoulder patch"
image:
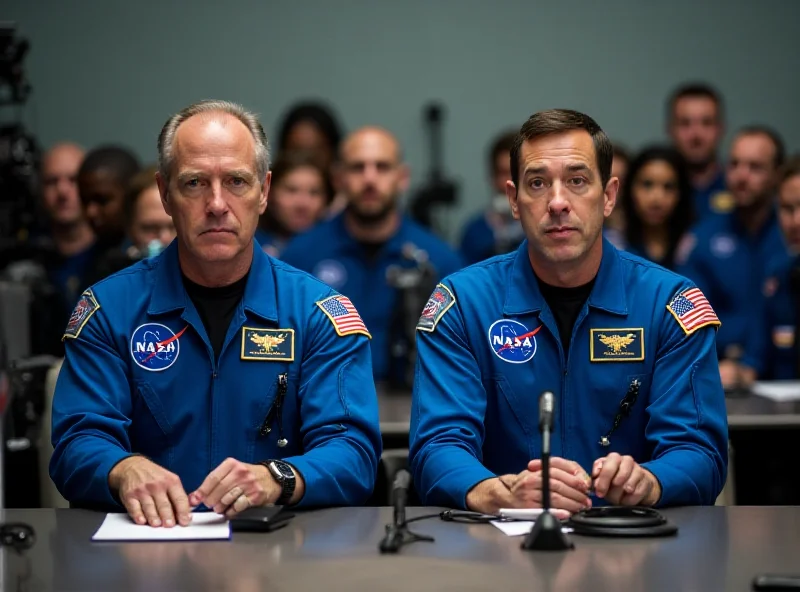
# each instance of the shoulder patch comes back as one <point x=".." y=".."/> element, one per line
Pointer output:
<point x="692" y="310"/>
<point x="439" y="303"/>
<point x="86" y="307"/>
<point x="344" y="316"/>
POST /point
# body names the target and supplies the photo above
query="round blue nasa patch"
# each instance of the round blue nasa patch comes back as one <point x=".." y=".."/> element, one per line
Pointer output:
<point x="155" y="347"/>
<point x="331" y="272"/>
<point x="512" y="341"/>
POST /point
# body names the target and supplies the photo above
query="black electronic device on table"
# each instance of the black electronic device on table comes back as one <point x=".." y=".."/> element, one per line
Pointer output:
<point x="261" y="519"/>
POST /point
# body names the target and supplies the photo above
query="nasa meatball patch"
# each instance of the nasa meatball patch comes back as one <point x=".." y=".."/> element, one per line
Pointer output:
<point x="86" y="307"/>
<point x="155" y="347"/>
<point x="438" y="304"/>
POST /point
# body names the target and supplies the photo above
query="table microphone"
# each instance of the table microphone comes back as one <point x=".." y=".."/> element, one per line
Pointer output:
<point x="546" y="534"/>
<point x="397" y="533"/>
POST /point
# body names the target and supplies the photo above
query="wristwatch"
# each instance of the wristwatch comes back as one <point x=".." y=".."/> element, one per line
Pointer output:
<point x="282" y="473"/>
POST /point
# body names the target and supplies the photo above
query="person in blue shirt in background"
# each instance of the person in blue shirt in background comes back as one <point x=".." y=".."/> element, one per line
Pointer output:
<point x="727" y="256"/>
<point x="493" y="231"/>
<point x="298" y="197"/>
<point x="696" y="125"/>
<point x="213" y="374"/>
<point x="360" y="250"/>
<point x="657" y="204"/>
<point x="782" y="287"/>
<point x="626" y="346"/>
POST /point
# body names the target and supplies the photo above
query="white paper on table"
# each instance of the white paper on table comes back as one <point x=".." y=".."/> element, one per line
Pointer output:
<point x="204" y="526"/>
<point x="778" y="390"/>
<point x="520" y="527"/>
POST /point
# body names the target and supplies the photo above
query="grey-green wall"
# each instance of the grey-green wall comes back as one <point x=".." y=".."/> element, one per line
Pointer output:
<point x="112" y="71"/>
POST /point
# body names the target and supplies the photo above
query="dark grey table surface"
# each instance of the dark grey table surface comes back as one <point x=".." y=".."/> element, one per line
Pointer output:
<point x="717" y="548"/>
<point x="745" y="411"/>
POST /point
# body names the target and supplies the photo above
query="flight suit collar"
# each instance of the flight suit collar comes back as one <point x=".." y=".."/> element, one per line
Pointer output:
<point x="169" y="293"/>
<point x="343" y="239"/>
<point x="523" y="295"/>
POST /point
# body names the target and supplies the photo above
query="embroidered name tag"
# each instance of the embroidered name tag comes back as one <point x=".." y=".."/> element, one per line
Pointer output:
<point x="616" y="345"/>
<point x="268" y="345"/>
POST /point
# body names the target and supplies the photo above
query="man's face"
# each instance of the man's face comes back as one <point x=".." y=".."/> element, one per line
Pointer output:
<point x="150" y="221"/>
<point x="372" y="175"/>
<point x="696" y="129"/>
<point x="561" y="200"/>
<point x="501" y="172"/>
<point x="214" y="195"/>
<point x="298" y="200"/>
<point x="103" y="198"/>
<point x="59" y="185"/>
<point x="307" y="137"/>
<point x="751" y="172"/>
<point x="789" y="212"/>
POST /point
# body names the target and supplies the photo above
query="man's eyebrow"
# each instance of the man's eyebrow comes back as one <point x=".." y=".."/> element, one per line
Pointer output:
<point x="535" y="170"/>
<point x="578" y="168"/>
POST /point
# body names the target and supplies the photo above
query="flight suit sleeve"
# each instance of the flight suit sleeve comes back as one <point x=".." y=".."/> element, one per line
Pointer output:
<point x="687" y="417"/>
<point x="339" y="416"/>
<point x="447" y="411"/>
<point x="91" y="411"/>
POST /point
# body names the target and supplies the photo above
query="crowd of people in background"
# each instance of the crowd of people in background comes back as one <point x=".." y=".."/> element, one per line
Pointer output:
<point x="729" y="222"/>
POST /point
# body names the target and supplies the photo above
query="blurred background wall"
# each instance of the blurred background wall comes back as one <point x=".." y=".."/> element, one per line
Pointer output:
<point x="106" y="71"/>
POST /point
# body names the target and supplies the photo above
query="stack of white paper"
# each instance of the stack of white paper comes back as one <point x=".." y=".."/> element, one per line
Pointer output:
<point x="778" y="390"/>
<point x="204" y="526"/>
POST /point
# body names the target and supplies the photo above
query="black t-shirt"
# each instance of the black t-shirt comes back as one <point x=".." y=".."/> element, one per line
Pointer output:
<point x="216" y="307"/>
<point x="566" y="304"/>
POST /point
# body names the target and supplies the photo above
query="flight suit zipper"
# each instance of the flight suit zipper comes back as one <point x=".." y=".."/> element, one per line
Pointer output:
<point x="276" y="409"/>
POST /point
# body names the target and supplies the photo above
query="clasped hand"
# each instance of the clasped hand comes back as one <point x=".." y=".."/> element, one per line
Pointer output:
<point x="153" y="495"/>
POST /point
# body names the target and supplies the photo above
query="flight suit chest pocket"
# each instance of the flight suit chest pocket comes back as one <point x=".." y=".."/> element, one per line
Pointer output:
<point x="624" y="424"/>
<point x="276" y="425"/>
<point x="150" y="431"/>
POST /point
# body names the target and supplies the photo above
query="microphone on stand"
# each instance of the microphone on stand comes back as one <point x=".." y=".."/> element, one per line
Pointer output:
<point x="397" y="533"/>
<point x="546" y="534"/>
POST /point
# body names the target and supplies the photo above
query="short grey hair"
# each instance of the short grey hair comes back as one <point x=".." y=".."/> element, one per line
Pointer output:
<point x="166" y="139"/>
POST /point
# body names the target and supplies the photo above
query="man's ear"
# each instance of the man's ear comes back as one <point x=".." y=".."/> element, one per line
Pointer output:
<point x="264" y="196"/>
<point x="511" y="194"/>
<point x="163" y="190"/>
<point x="610" y="196"/>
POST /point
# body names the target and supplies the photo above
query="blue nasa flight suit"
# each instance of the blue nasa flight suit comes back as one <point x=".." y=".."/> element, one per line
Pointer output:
<point x="488" y="346"/>
<point x="713" y="199"/>
<point x="270" y="243"/>
<point x="729" y="266"/>
<point x="780" y="314"/>
<point x="333" y="256"/>
<point x="140" y="376"/>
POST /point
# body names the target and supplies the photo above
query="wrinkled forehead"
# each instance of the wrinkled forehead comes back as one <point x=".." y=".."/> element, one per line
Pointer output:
<point x="558" y="152"/>
<point x="214" y="139"/>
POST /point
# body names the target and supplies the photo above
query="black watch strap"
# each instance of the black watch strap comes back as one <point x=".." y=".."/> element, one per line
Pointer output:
<point x="284" y="475"/>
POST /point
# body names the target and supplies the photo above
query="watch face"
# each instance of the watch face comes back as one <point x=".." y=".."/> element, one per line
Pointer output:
<point x="281" y="470"/>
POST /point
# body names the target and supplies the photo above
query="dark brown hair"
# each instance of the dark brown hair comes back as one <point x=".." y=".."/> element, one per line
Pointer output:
<point x="790" y="169"/>
<point x="556" y="121"/>
<point x="142" y="180"/>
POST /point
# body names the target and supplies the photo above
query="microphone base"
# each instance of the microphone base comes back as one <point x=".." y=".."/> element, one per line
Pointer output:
<point x="399" y="536"/>
<point x="546" y="535"/>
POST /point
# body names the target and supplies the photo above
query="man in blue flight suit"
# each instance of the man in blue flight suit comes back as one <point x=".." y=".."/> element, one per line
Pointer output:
<point x="727" y="256"/>
<point x="494" y="230"/>
<point x="626" y="346"/>
<point x="213" y="369"/>
<point x="359" y="251"/>
<point x="782" y="287"/>
<point x="695" y="124"/>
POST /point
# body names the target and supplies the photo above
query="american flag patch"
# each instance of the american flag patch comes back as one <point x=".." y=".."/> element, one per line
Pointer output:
<point x="692" y="311"/>
<point x="343" y="315"/>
